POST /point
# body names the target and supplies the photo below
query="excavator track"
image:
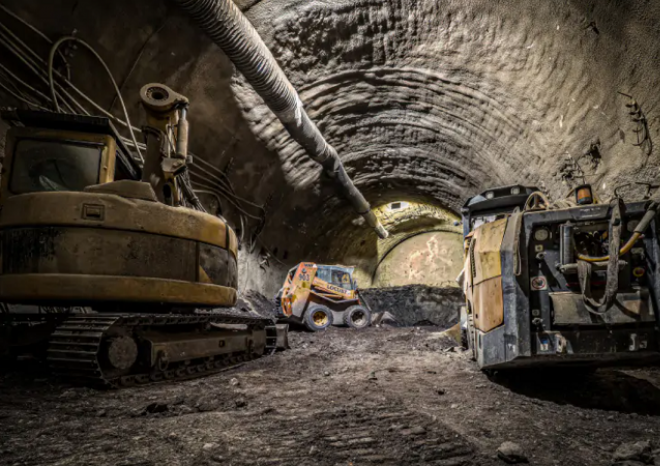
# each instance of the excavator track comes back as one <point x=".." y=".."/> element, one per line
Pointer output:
<point x="78" y="347"/>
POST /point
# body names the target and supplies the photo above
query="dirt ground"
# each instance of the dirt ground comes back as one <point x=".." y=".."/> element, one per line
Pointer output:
<point x="393" y="396"/>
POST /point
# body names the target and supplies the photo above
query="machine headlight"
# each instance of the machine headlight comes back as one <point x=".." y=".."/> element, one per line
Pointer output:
<point x="490" y="195"/>
<point x="541" y="234"/>
<point x="515" y="191"/>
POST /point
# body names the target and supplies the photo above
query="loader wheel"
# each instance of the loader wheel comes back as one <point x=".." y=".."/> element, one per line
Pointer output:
<point x="317" y="318"/>
<point x="357" y="317"/>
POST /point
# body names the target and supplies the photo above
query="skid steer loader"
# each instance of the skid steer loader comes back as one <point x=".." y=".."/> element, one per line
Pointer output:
<point x="319" y="296"/>
<point x="574" y="283"/>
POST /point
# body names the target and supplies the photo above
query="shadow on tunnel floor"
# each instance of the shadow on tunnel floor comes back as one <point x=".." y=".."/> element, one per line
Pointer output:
<point x="605" y="389"/>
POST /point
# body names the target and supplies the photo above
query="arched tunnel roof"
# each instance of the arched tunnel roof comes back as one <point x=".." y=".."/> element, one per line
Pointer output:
<point x="426" y="101"/>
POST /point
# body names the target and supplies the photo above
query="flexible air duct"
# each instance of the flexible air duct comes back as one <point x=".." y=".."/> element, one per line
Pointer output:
<point x="235" y="35"/>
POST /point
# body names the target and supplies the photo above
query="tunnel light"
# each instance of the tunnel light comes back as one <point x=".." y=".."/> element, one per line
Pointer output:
<point x="395" y="206"/>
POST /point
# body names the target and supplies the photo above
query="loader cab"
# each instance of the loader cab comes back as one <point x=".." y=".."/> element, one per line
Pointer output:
<point x="58" y="152"/>
<point x="338" y="276"/>
<point x="493" y="204"/>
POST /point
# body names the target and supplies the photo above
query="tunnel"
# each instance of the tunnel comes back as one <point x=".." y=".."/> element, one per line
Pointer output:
<point x="426" y="102"/>
<point x="431" y="107"/>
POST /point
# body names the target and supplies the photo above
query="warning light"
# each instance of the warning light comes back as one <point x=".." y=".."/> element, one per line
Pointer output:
<point x="583" y="195"/>
<point x="639" y="272"/>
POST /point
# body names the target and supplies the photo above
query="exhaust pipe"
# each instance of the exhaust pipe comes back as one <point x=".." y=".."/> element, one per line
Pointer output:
<point x="225" y="24"/>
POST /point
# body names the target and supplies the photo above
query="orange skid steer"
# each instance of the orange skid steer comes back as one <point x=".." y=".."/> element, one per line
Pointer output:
<point x="318" y="296"/>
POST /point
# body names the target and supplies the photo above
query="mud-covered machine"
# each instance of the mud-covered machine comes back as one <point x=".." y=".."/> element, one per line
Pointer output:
<point x="319" y="296"/>
<point x="119" y="281"/>
<point x="570" y="283"/>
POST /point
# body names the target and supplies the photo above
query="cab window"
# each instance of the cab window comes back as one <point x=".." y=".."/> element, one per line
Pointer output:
<point x="324" y="274"/>
<point x="54" y="166"/>
<point x="341" y="278"/>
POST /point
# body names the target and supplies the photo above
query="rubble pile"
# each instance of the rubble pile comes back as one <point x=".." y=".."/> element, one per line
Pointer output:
<point x="414" y="305"/>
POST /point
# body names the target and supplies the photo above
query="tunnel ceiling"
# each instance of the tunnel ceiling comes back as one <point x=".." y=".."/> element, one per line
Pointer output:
<point x="425" y="100"/>
<point x="436" y="100"/>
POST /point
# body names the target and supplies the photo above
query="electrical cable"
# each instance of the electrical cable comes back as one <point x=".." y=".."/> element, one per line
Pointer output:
<point x="231" y="198"/>
<point x="22" y="56"/>
<point x="27" y="61"/>
<point x="23" y="83"/>
<point x="232" y="191"/>
<point x="137" y="60"/>
<point x="37" y="32"/>
<point x="34" y="67"/>
<point x="223" y="174"/>
<point x="239" y="208"/>
<point x="51" y="58"/>
<point x="22" y="99"/>
<point x="219" y="180"/>
<point x="18" y="48"/>
<point x="222" y="182"/>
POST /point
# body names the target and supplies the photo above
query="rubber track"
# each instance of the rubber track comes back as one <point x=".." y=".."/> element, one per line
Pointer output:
<point x="74" y="347"/>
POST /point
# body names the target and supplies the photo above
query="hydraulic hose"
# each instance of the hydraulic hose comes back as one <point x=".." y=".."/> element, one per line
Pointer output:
<point x="226" y="25"/>
<point x="639" y="230"/>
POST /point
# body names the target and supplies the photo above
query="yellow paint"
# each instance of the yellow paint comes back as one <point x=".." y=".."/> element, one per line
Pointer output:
<point x="484" y="268"/>
<point x="62" y="287"/>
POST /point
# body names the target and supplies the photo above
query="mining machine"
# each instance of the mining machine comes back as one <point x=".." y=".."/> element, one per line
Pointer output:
<point x="571" y="283"/>
<point x="319" y="296"/>
<point x="110" y="267"/>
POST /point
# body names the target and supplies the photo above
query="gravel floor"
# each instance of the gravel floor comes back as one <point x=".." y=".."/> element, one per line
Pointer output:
<point x="395" y="396"/>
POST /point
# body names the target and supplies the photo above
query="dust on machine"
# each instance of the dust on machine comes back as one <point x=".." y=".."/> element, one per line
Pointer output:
<point x="569" y="283"/>
<point x="319" y="296"/>
<point x="111" y="269"/>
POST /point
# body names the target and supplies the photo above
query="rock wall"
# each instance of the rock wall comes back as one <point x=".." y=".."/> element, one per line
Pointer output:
<point x="434" y="259"/>
<point x="427" y="101"/>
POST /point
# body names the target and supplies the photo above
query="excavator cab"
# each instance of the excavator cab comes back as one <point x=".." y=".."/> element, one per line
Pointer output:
<point x="319" y="296"/>
<point x="60" y="152"/>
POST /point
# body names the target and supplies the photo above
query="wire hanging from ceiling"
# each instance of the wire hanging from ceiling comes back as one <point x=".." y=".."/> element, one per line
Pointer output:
<point x="58" y="95"/>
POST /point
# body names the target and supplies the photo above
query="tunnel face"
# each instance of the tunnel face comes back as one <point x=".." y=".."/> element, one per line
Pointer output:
<point x="431" y="258"/>
<point x="427" y="102"/>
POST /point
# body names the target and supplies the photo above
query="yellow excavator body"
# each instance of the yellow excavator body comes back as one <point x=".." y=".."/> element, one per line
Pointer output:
<point x="129" y="274"/>
<point x="106" y="241"/>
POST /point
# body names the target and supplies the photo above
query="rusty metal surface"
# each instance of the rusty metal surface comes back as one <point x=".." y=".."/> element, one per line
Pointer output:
<point x="485" y="269"/>
<point x="182" y="346"/>
<point x="632" y="307"/>
<point x="66" y="208"/>
<point x="78" y="349"/>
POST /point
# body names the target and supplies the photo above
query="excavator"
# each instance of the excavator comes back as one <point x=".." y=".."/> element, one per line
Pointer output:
<point x="574" y="283"/>
<point x="319" y="296"/>
<point x="110" y="266"/>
